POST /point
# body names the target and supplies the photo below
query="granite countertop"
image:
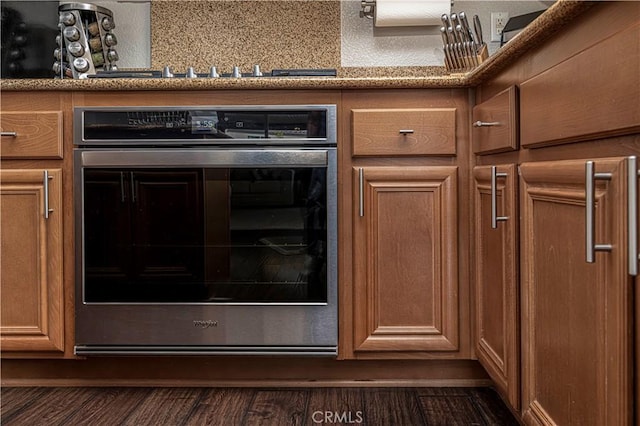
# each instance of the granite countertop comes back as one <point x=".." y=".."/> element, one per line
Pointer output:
<point x="558" y="15"/>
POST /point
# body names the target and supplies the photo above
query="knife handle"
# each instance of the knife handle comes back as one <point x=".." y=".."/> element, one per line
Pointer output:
<point x="465" y="25"/>
<point x="446" y="21"/>
<point x="477" y="26"/>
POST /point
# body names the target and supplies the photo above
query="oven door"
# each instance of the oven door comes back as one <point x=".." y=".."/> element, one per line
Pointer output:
<point x="206" y="251"/>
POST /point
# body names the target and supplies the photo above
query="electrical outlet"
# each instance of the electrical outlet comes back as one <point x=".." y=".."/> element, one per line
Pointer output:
<point x="498" y="21"/>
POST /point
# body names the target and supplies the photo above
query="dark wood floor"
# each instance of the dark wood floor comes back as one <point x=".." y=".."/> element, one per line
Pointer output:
<point x="253" y="406"/>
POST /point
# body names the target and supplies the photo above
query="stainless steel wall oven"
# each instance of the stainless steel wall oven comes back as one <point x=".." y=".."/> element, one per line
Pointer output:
<point x="203" y="230"/>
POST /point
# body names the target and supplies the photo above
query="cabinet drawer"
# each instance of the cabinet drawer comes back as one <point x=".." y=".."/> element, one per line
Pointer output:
<point x="495" y="123"/>
<point x="592" y="95"/>
<point x="404" y="131"/>
<point x="32" y="134"/>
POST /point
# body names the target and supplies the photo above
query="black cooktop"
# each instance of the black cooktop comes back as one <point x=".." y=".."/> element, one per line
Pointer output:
<point x="296" y="72"/>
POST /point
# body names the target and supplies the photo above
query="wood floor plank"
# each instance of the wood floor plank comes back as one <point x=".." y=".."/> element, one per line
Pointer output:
<point x="221" y="406"/>
<point x="109" y="406"/>
<point x="164" y="406"/>
<point x="247" y="406"/>
<point x="278" y="407"/>
<point x="444" y="391"/>
<point x="52" y="406"/>
<point x="389" y="406"/>
<point x="17" y="399"/>
<point x="492" y="408"/>
<point x="336" y="406"/>
<point x="450" y="411"/>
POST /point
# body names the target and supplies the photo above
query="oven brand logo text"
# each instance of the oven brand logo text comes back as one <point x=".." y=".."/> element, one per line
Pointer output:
<point x="205" y="323"/>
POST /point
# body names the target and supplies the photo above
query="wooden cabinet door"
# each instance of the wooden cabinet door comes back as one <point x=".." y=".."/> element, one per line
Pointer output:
<point x="497" y="333"/>
<point x="405" y="259"/>
<point x="576" y="316"/>
<point x="31" y="281"/>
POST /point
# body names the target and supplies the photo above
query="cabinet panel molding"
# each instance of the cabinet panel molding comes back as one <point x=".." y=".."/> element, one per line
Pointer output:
<point x="32" y="292"/>
<point x="576" y="316"/>
<point x="496" y="280"/>
<point x="405" y="251"/>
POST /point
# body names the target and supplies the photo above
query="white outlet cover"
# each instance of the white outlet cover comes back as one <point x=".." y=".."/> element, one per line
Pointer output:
<point x="498" y="21"/>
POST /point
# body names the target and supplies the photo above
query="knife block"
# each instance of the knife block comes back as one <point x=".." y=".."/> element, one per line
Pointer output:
<point x="468" y="63"/>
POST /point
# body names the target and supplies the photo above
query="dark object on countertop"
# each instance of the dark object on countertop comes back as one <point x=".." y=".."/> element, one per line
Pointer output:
<point x="517" y="24"/>
<point x="29" y="29"/>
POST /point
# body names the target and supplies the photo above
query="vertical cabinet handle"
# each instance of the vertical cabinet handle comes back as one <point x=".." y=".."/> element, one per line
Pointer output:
<point x="122" y="197"/>
<point x="494" y="197"/>
<point x="361" y="191"/>
<point x="133" y="189"/>
<point x="46" y="178"/>
<point x="632" y="214"/>
<point x="590" y="211"/>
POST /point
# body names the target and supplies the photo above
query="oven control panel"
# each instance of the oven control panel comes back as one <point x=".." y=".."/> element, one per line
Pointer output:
<point x="235" y="125"/>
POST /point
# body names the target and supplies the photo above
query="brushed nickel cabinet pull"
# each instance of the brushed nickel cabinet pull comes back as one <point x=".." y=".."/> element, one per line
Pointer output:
<point x="590" y="211"/>
<point x="406" y="131"/>
<point x="46" y="178"/>
<point x="632" y="214"/>
<point x="133" y="189"/>
<point x="485" y="123"/>
<point x="10" y="134"/>
<point x="122" y="198"/>
<point x="361" y="191"/>
<point x="494" y="197"/>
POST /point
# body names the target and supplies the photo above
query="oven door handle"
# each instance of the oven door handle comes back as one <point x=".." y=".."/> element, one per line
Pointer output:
<point x="214" y="157"/>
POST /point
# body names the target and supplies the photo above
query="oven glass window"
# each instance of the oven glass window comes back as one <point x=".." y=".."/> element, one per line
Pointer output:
<point x="218" y="235"/>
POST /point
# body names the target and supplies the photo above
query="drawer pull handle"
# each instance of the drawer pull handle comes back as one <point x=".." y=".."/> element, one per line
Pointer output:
<point x="47" y="210"/>
<point x="494" y="197"/>
<point x="590" y="209"/>
<point x="485" y="123"/>
<point x="10" y="134"/>
<point x="406" y="131"/>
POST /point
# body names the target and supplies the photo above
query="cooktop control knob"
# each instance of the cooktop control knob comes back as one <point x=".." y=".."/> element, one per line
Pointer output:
<point x="166" y="72"/>
<point x="236" y="72"/>
<point x="191" y="73"/>
<point x="256" y="71"/>
<point x="213" y="72"/>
